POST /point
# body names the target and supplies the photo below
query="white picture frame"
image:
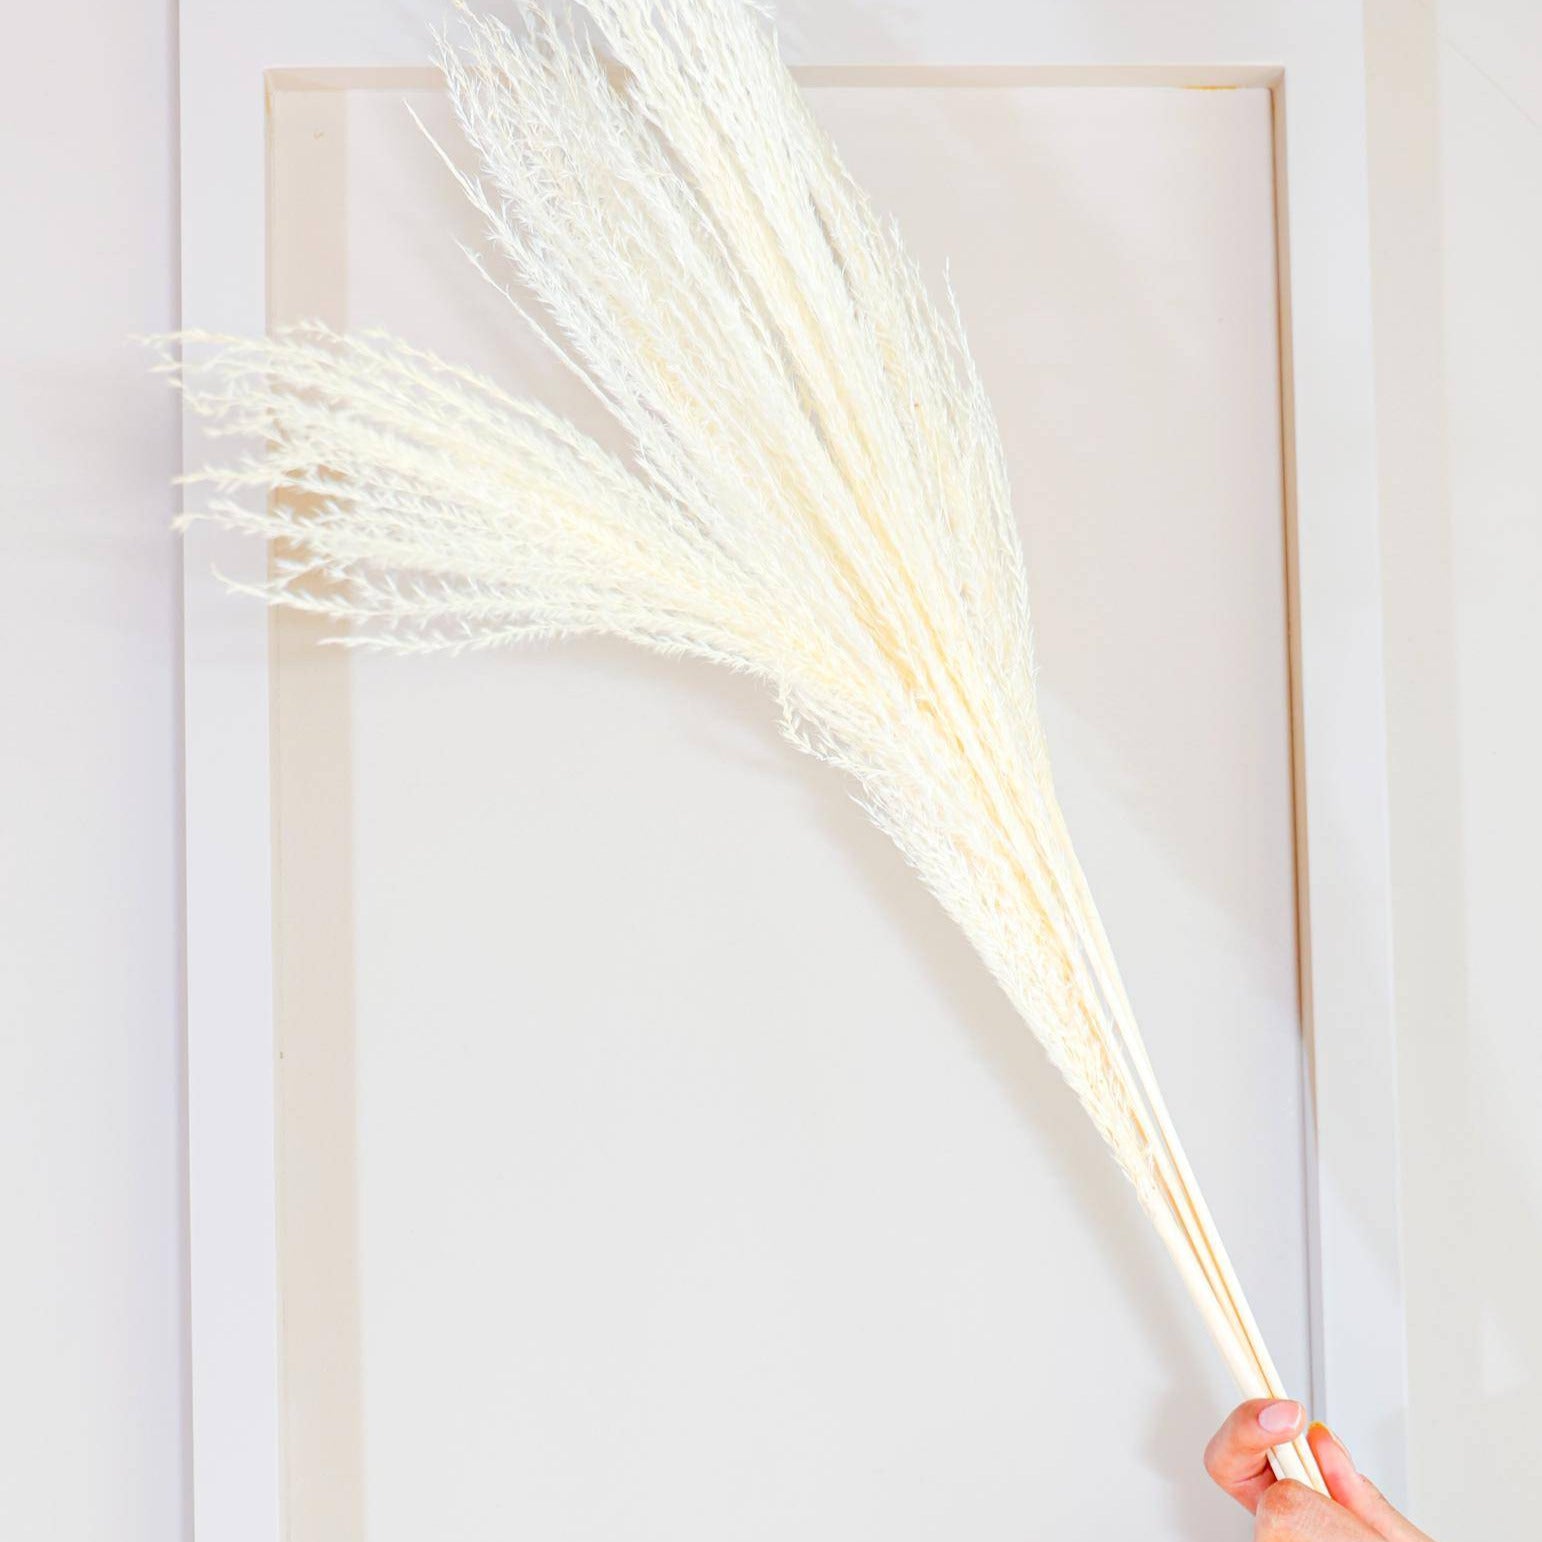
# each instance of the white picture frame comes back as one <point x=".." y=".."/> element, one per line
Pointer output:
<point x="1310" y="57"/>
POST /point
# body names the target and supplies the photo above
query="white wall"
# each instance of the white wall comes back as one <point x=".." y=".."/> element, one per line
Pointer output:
<point x="1456" y="180"/>
<point x="92" y="1422"/>
<point x="92" y="1414"/>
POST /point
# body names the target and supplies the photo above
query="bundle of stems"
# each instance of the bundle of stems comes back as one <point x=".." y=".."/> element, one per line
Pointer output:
<point x="814" y="493"/>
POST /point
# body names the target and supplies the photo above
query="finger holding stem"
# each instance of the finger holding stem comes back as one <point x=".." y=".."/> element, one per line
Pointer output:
<point x="1237" y="1458"/>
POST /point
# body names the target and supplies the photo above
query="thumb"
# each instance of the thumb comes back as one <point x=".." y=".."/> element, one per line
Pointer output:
<point x="1355" y="1493"/>
<point x="1292" y="1512"/>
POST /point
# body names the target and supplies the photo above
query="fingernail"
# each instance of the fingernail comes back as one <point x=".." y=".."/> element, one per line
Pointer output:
<point x="1279" y="1418"/>
<point x="1343" y="1450"/>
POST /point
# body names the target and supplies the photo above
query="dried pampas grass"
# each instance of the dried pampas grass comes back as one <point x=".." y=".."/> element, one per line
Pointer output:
<point x="815" y="494"/>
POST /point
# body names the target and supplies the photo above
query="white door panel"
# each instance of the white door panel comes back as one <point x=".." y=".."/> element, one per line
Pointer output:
<point x="656" y="1159"/>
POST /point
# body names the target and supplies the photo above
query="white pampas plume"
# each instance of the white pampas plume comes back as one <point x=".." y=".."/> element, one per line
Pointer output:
<point x="815" y="493"/>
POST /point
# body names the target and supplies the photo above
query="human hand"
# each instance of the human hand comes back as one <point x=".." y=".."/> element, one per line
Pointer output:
<point x="1238" y="1459"/>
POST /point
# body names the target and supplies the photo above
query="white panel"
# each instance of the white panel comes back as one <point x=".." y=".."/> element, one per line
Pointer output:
<point x="705" y="1182"/>
<point x="1313" y="51"/>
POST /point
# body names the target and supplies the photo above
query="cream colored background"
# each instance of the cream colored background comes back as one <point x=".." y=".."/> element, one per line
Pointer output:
<point x="94" y="1433"/>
